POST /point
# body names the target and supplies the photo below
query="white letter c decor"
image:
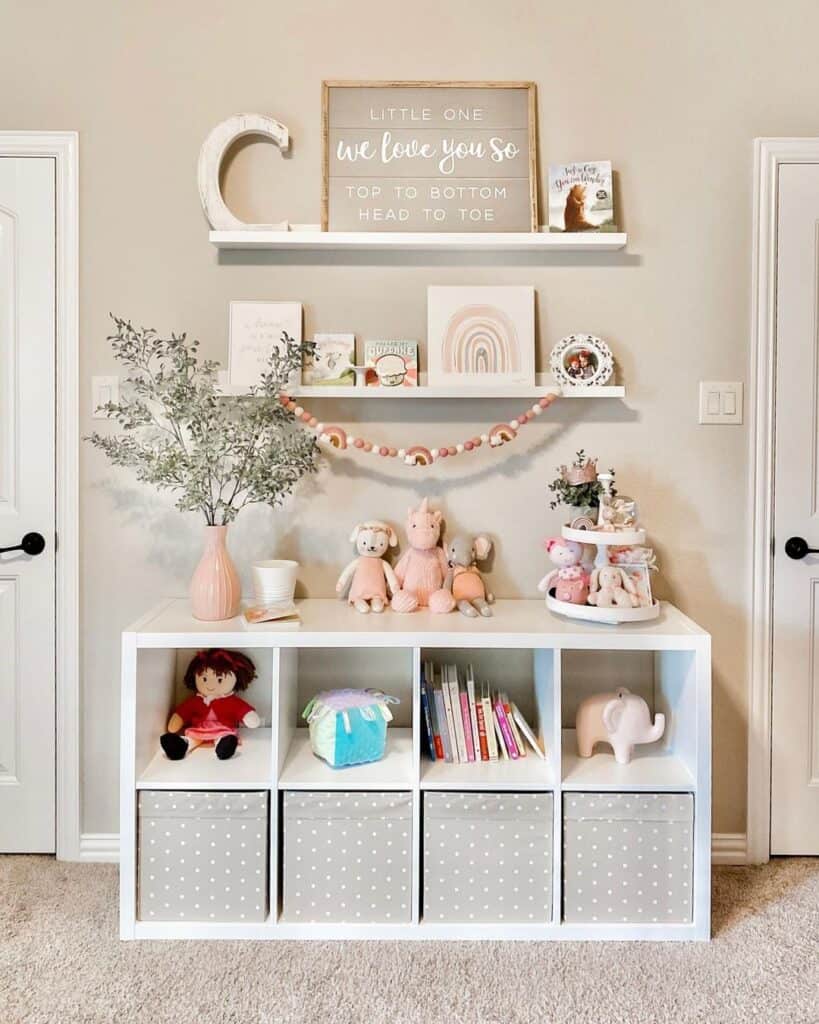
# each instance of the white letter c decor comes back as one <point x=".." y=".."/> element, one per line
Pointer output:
<point x="210" y="161"/>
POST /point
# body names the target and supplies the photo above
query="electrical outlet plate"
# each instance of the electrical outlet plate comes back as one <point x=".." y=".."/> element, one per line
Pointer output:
<point x="103" y="390"/>
<point x="721" y="401"/>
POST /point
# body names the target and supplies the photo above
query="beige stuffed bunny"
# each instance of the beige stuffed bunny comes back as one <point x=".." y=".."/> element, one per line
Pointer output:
<point x="369" y="575"/>
<point x="611" y="587"/>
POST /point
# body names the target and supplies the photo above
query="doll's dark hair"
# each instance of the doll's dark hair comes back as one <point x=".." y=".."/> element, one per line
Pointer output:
<point x="221" y="661"/>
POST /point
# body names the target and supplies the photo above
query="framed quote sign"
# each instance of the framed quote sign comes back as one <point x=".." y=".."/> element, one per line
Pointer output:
<point x="429" y="156"/>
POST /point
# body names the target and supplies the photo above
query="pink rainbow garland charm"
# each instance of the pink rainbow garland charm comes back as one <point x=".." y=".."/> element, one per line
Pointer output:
<point x="417" y="454"/>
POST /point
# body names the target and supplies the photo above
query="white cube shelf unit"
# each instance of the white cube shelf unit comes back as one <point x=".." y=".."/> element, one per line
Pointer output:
<point x="546" y="664"/>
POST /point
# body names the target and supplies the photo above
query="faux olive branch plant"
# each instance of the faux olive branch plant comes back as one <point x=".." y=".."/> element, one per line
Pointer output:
<point x="217" y="453"/>
<point x="585" y="495"/>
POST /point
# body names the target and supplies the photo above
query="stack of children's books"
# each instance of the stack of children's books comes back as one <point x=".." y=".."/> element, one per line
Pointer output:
<point x="465" y="722"/>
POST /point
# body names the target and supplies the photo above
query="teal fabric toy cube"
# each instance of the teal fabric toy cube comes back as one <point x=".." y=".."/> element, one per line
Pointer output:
<point x="349" y="726"/>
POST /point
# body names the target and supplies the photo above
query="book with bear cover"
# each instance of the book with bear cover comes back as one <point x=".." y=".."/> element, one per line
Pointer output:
<point x="581" y="197"/>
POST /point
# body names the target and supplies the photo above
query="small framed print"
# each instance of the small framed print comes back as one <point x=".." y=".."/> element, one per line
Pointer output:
<point x="256" y="329"/>
<point x="480" y="335"/>
<point x="581" y="360"/>
<point x="640" y="576"/>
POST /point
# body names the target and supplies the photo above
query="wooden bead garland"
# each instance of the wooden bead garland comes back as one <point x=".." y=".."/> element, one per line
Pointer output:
<point x="416" y="455"/>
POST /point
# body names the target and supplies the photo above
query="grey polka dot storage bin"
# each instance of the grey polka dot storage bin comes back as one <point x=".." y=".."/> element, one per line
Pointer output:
<point x="488" y="857"/>
<point x="348" y="857"/>
<point x="628" y="857"/>
<point x="202" y="856"/>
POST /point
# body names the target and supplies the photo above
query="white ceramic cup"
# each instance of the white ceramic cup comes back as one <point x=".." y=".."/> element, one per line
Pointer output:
<point x="274" y="581"/>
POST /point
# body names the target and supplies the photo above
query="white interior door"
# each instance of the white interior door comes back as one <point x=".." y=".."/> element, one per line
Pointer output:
<point x="795" y="747"/>
<point x="27" y="465"/>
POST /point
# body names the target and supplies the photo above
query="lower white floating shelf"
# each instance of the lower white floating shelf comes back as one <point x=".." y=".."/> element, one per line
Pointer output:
<point x="542" y="387"/>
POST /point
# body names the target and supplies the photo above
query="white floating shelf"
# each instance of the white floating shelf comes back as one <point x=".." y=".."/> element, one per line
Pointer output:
<point x="424" y="241"/>
<point x="303" y="770"/>
<point x="249" y="768"/>
<point x="539" y="390"/>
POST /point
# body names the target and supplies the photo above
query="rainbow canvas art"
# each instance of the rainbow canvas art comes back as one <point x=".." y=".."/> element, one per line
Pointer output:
<point x="481" y="335"/>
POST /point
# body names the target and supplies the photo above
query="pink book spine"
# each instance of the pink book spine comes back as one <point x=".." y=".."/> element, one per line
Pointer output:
<point x="470" y="746"/>
<point x="506" y="731"/>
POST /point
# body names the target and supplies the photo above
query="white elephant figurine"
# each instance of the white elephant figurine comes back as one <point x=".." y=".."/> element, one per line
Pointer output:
<point x="621" y="719"/>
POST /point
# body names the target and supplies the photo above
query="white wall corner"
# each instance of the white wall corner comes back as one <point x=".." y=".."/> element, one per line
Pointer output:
<point x="729" y="848"/>
<point x="103" y="847"/>
<point x="99" y="847"/>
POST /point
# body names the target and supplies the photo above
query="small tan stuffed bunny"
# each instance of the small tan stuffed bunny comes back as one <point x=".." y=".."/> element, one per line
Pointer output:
<point x="610" y="587"/>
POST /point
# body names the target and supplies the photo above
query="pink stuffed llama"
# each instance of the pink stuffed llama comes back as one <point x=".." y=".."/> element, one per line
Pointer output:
<point x="422" y="568"/>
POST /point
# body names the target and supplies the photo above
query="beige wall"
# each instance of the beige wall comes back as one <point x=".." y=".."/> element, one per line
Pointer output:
<point x="672" y="93"/>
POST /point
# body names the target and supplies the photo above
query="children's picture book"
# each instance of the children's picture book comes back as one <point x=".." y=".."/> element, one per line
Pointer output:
<point x="581" y="197"/>
<point x="332" y="362"/>
<point x="391" y="364"/>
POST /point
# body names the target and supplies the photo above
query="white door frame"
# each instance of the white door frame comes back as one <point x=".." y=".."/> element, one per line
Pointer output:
<point x="769" y="156"/>
<point x="63" y="148"/>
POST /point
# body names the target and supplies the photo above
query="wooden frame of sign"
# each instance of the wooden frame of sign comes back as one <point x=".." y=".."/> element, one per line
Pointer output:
<point x="426" y="162"/>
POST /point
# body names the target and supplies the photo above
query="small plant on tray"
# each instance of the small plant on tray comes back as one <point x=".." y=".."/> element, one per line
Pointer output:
<point x="577" y="485"/>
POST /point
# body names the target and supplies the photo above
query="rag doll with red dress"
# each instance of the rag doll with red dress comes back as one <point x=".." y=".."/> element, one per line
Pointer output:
<point x="214" y="713"/>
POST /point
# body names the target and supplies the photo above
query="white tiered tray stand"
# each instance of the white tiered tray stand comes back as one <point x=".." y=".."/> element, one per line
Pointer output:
<point x="587" y="612"/>
<point x="275" y="758"/>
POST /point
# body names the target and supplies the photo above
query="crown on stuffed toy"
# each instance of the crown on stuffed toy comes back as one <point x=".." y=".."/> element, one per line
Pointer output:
<point x="576" y="475"/>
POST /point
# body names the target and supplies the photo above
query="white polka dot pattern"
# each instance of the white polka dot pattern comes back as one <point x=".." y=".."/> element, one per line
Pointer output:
<point x="628" y="857"/>
<point x="203" y="856"/>
<point x="488" y="857"/>
<point x="348" y="857"/>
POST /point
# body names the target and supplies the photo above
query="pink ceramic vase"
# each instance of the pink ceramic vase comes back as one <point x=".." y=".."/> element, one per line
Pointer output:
<point x="215" y="587"/>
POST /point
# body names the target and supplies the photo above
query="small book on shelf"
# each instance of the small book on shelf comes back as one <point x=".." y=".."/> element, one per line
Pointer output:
<point x="507" y="738"/>
<point x="450" y="718"/>
<point x="426" y="709"/>
<point x="489" y="722"/>
<point x="469" y="738"/>
<point x="457" y="713"/>
<point x="507" y="707"/>
<point x="527" y="731"/>
<point x="475" y="719"/>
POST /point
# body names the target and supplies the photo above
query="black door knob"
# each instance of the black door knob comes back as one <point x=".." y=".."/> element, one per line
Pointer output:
<point x="797" y="547"/>
<point x="31" y="544"/>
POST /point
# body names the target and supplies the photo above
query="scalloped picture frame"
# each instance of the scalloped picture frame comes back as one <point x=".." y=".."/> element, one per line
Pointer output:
<point x="581" y="361"/>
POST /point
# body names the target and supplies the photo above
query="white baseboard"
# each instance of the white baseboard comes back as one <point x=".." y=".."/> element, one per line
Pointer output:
<point x="729" y="848"/>
<point x="99" y="847"/>
<point x="103" y="847"/>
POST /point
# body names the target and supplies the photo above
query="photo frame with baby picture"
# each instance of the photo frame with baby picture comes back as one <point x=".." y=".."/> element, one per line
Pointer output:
<point x="581" y="360"/>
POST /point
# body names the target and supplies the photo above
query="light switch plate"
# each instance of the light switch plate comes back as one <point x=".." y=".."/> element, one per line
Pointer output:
<point x="103" y="390"/>
<point x="721" y="401"/>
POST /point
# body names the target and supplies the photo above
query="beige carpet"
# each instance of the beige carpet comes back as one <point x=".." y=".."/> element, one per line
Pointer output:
<point x="62" y="963"/>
